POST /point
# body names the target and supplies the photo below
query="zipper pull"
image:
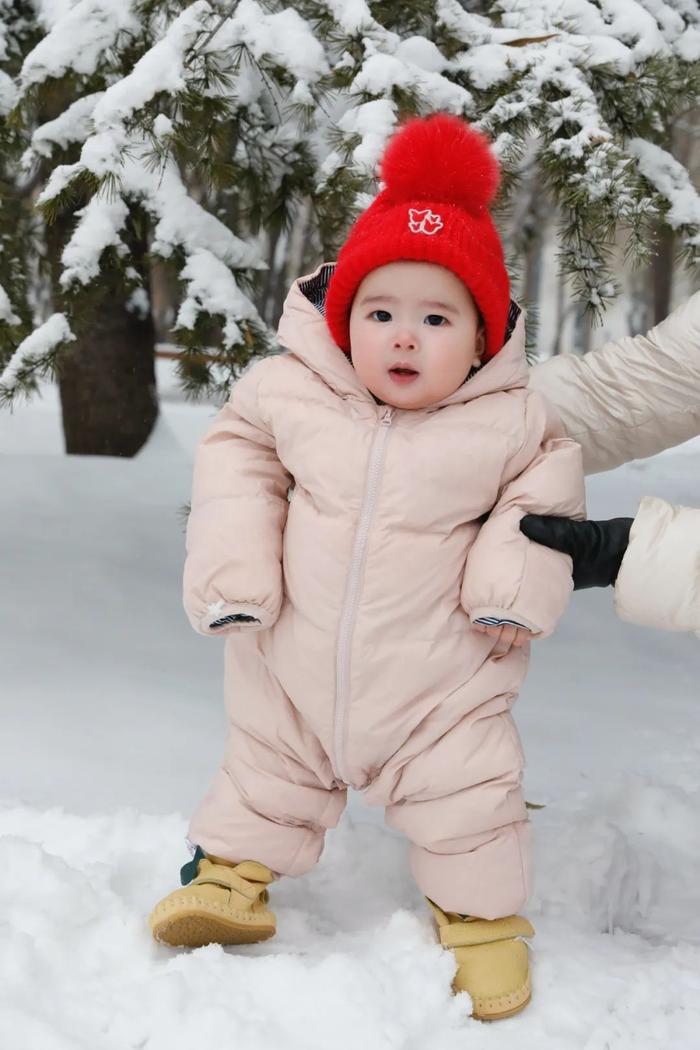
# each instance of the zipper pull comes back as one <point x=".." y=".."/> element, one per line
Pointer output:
<point x="387" y="416"/>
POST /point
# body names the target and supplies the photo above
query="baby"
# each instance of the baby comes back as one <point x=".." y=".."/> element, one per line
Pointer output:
<point x="355" y="535"/>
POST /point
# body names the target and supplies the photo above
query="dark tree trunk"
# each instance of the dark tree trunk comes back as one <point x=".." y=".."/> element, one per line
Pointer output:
<point x="108" y="385"/>
<point x="662" y="274"/>
<point x="107" y="377"/>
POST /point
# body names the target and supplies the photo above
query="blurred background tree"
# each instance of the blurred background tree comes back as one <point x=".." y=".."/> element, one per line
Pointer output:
<point x="168" y="168"/>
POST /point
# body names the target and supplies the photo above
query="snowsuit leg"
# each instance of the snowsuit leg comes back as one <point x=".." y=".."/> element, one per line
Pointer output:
<point x="275" y="795"/>
<point x="462" y="807"/>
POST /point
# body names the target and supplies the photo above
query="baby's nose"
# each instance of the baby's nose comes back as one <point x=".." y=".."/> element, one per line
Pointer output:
<point x="405" y="340"/>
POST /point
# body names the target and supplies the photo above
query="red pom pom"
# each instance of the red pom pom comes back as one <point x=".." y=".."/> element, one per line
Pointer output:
<point x="440" y="158"/>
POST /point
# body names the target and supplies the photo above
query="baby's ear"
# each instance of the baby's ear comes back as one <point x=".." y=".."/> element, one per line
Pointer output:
<point x="480" y="342"/>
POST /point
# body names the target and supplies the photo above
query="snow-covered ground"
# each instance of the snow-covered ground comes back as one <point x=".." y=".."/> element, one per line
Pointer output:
<point x="112" y="725"/>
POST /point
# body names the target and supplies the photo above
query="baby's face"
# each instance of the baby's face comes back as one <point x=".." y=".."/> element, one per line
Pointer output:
<point x="416" y="315"/>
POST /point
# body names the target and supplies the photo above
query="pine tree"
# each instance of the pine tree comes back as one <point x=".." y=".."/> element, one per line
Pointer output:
<point x="18" y="226"/>
<point x="195" y="131"/>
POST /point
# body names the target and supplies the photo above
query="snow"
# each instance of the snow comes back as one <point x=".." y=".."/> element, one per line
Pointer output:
<point x="113" y="724"/>
<point x="61" y="177"/>
<point x="99" y="225"/>
<point x="79" y="36"/>
<point x="8" y="93"/>
<point x="73" y="125"/>
<point x="7" y="314"/>
<point x="532" y="60"/>
<point x="54" y="331"/>
<point x="672" y="181"/>
<point x="285" y="37"/>
<point x="381" y="73"/>
<point x="374" y="122"/>
<point x="163" y="126"/>
<point x="123" y="157"/>
<point x="179" y="222"/>
<point x="421" y="52"/>
<point x="353" y="16"/>
<point x="689" y="45"/>
<point x="161" y="69"/>
<point x="210" y="282"/>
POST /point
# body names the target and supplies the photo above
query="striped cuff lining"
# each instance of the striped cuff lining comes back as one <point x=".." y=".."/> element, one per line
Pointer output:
<point x="234" y="618"/>
<point x="494" y="621"/>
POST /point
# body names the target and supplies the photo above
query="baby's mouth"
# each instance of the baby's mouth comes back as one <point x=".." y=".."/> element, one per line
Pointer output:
<point x="403" y="374"/>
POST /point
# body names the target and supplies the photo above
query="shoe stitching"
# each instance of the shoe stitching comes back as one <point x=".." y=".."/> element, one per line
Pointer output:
<point x="512" y="999"/>
<point x="211" y="906"/>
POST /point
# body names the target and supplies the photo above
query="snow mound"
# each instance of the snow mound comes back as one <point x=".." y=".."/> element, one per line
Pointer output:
<point x="355" y="961"/>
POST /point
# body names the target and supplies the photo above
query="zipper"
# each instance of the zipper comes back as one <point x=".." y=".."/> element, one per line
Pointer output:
<point x="348" y="615"/>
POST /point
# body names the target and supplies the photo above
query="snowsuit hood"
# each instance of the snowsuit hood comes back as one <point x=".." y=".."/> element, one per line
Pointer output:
<point x="303" y="332"/>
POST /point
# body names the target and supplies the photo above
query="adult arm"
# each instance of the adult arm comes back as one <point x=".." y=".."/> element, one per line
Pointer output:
<point x="632" y="397"/>
<point x="653" y="560"/>
<point x="659" y="580"/>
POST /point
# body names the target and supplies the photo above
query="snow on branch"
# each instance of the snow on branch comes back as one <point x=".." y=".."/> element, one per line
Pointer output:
<point x="79" y="39"/>
<point x="213" y="116"/>
<point x="283" y="36"/>
<point x="8" y="93"/>
<point x="353" y="16"/>
<point x="73" y="125"/>
<point x="212" y="289"/>
<point x="34" y="351"/>
<point x="161" y="69"/>
<point x="99" y="226"/>
<point x="122" y="160"/>
<point x="672" y="182"/>
<point x="7" y="314"/>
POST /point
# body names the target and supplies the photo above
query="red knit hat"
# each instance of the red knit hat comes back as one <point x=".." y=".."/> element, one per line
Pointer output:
<point x="439" y="176"/>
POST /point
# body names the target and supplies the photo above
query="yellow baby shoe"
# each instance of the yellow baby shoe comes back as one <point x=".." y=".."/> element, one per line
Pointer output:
<point x="224" y="903"/>
<point x="492" y="961"/>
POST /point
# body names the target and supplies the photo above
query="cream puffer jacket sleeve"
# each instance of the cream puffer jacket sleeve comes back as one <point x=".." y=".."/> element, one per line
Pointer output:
<point x="633" y="397"/>
<point x="659" y="580"/>
<point x="233" y="569"/>
<point x="508" y="579"/>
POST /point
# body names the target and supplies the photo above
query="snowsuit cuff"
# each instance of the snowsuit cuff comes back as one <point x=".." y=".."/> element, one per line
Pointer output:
<point x="221" y="618"/>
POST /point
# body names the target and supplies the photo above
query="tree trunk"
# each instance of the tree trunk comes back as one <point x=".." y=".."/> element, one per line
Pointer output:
<point x="582" y="330"/>
<point x="106" y="379"/>
<point x="108" y="385"/>
<point x="662" y="274"/>
<point x="560" y="316"/>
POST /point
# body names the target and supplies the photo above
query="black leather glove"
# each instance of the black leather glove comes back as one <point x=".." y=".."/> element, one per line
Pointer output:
<point x="597" y="547"/>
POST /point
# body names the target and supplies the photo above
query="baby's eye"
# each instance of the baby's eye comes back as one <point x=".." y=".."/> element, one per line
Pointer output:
<point x="381" y="315"/>
<point x="435" y="320"/>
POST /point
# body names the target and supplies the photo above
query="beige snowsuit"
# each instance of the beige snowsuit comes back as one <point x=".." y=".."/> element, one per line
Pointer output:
<point x="363" y="539"/>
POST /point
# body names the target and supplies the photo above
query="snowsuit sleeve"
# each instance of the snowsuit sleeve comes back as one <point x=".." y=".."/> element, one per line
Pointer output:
<point x="633" y="397"/>
<point x="239" y="508"/>
<point x="508" y="578"/>
<point x="658" y="584"/>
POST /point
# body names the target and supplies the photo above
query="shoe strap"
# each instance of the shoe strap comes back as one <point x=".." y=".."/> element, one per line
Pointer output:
<point x="248" y="878"/>
<point x="484" y="931"/>
<point x="457" y="931"/>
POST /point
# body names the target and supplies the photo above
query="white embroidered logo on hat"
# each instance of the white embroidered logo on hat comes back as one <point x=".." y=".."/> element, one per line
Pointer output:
<point x="425" y="221"/>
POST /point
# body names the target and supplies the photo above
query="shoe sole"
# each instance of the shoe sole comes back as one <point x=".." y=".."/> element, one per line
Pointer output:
<point x="504" y="1014"/>
<point x="516" y="1002"/>
<point x="195" y="930"/>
